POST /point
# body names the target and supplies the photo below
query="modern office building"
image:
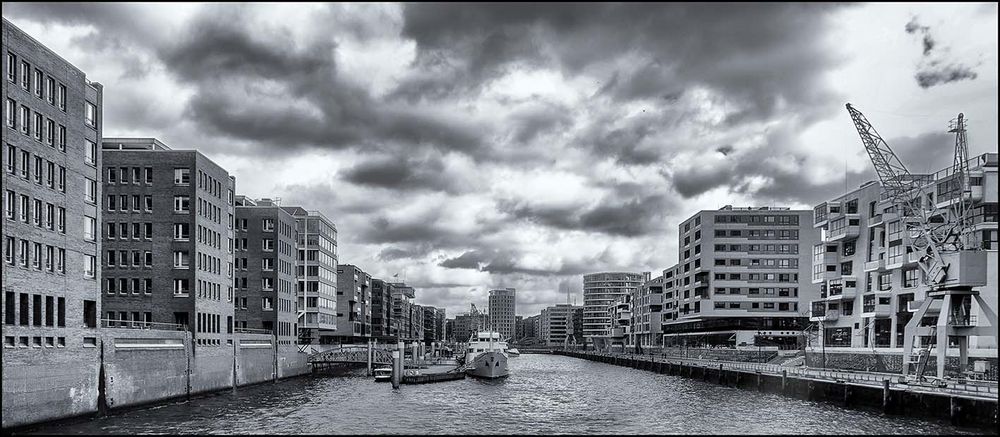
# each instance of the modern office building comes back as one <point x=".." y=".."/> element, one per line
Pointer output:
<point x="51" y="227"/>
<point x="439" y="319"/>
<point x="316" y="273"/>
<point x="648" y="302"/>
<point x="354" y="307"/>
<point x="168" y="227"/>
<point x="557" y="325"/>
<point x="382" y="328"/>
<point x="264" y="269"/>
<point x="466" y="324"/>
<point x="742" y="278"/>
<point x="869" y="279"/>
<point x="599" y="291"/>
<point x="430" y="320"/>
<point x="503" y="307"/>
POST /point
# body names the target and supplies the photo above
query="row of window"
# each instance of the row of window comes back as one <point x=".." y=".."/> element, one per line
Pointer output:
<point x="121" y="230"/>
<point x="32" y="83"/>
<point x="780" y="306"/>
<point x="758" y="248"/>
<point x="45" y="172"/>
<point x="128" y="285"/>
<point x="19" y="306"/>
<point x="778" y="263"/>
<point x="120" y="203"/>
<point x="208" y="210"/>
<point x="41" y="257"/>
<point x="36" y="341"/>
<point x="49" y="216"/>
<point x="755" y="291"/>
<point x="213" y="291"/>
<point x="210" y="184"/>
<point x="114" y="173"/>
<point x="120" y="258"/>
<point x="35" y="125"/>
<point x="759" y="234"/>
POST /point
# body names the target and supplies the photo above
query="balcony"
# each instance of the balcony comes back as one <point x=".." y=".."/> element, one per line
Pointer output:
<point x="827" y="316"/>
<point x="872" y="266"/>
<point x="876" y="310"/>
<point x="845" y="232"/>
<point x="842" y="292"/>
<point x="876" y="221"/>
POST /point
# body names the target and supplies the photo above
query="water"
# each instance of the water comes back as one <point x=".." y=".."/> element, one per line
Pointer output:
<point x="545" y="394"/>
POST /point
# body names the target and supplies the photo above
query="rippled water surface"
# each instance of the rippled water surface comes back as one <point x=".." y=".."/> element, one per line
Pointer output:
<point x="544" y="394"/>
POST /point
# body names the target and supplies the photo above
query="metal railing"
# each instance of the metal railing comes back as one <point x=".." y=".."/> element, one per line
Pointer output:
<point x="900" y="382"/>
<point x="133" y="324"/>
<point x="252" y="331"/>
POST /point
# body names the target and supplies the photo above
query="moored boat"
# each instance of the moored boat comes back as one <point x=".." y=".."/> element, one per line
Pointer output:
<point x="486" y="355"/>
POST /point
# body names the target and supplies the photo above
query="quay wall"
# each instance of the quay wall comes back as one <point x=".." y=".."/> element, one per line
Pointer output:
<point x="892" y="361"/>
<point x="960" y="410"/>
<point x="133" y="367"/>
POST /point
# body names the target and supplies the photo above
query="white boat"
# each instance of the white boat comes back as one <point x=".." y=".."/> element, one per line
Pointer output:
<point x="383" y="374"/>
<point x="486" y="355"/>
<point x="512" y="352"/>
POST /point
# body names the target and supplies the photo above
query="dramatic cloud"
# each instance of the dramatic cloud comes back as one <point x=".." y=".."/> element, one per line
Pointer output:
<point x="934" y="69"/>
<point x="462" y="147"/>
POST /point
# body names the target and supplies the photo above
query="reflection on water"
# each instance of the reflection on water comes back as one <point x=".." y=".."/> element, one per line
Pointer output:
<point x="545" y="394"/>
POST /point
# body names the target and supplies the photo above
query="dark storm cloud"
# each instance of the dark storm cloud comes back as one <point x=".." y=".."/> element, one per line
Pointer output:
<point x="467" y="260"/>
<point x="537" y="118"/>
<point x="933" y="68"/>
<point x="612" y="215"/>
<point x="507" y="262"/>
<point x="767" y="50"/>
<point x="404" y="174"/>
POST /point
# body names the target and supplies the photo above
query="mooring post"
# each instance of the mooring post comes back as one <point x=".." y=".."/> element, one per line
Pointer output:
<point x="369" y="368"/>
<point x="955" y="410"/>
<point x="397" y="364"/>
<point x="885" y="395"/>
<point x="784" y="380"/>
<point x="760" y="386"/>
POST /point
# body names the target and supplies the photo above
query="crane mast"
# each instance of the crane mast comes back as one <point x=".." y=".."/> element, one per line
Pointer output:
<point x="952" y="265"/>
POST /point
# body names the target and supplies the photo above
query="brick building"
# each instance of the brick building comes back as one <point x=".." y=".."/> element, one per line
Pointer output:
<point x="264" y="269"/>
<point x="354" y="315"/>
<point x="51" y="224"/>
<point x="168" y="227"/>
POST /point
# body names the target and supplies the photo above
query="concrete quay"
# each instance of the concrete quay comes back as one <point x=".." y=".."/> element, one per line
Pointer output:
<point x="963" y="404"/>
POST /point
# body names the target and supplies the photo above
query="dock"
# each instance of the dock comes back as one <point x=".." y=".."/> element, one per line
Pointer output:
<point x="434" y="373"/>
<point x="964" y="404"/>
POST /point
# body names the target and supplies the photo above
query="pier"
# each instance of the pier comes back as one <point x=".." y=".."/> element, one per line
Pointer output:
<point x="964" y="404"/>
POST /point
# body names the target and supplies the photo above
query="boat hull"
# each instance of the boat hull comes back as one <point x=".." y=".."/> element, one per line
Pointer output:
<point x="489" y="365"/>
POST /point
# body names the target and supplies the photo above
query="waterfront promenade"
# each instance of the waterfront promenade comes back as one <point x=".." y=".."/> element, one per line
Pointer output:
<point x="960" y="401"/>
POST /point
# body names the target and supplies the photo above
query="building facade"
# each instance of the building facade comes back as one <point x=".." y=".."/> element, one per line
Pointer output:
<point x="168" y="227"/>
<point x="599" y="291"/>
<point x="354" y="310"/>
<point x="742" y="278"/>
<point x="382" y="328"/>
<point x="316" y="273"/>
<point x="647" y="314"/>
<point x="51" y="226"/>
<point x="557" y="325"/>
<point x="264" y="269"/>
<point x="869" y="279"/>
<point x="403" y="312"/>
<point x="467" y="324"/>
<point x="502" y="308"/>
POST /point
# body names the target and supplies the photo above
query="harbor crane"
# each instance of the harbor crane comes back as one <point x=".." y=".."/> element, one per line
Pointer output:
<point x="939" y="232"/>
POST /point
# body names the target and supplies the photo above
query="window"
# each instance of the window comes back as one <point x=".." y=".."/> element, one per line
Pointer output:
<point x="25" y="120"/>
<point x="51" y="180"/>
<point x="37" y="213"/>
<point x="62" y="99"/>
<point x="267" y="245"/>
<point x="89" y="265"/>
<point x="181" y="231"/>
<point x="25" y="75"/>
<point x="148" y="175"/>
<point x="90" y="191"/>
<point x="149" y="258"/>
<point x="61" y="261"/>
<point x="885" y="281"/>
<point x="91" y="152"/>
<point x="25" y="206"/>
<point x="8" y="250"/>
<point x="9" y="204"/>
<point x="50" y="90"/>
<point x="39" y="91"/>
<point x="89" y="227"/>
<point x="182" y="204"/>
<point x="90" y="313"/>
<point x="182" y="176"/>
<point x="180" y="287"/>
<point x="147" y="203"/>
<point x="25" y="164"/>
<point x="267" y="225"/>
<point x="62" y="179"/>
<point x="11" y="67"/>
<point x="910" y="277"/>
<point x="37" y="125"/>
<point x="181" y="260"/>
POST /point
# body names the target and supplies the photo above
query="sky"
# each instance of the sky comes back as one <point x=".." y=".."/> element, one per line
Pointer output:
<point x="469" y="147"/>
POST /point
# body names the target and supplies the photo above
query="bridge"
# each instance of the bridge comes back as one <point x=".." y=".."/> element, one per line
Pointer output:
<point x="355" y="354"/>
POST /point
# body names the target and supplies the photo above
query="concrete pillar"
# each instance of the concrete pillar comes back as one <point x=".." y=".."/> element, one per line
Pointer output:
<point x="413" y="351"/>
<point x="369" y="368"/>
<point x="397" y="367"/>
<point x="942" y="334"/>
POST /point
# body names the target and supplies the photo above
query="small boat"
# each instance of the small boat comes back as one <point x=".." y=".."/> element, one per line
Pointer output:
<point x="383" y="374"/>
<point x="512" y="352"/>
<point x="486" y="356"/>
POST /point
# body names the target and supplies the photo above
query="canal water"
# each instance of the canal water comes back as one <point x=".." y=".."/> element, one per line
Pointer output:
<point x="545" y="394"/>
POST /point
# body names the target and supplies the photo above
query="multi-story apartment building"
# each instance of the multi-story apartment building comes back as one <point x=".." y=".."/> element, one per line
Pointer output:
<point x="531" y="327"/>
<point x="316" y="273"/>
<point x="742" y="278"/>
<point x="264" y="269"/>
<point x="869" y="279"/>
<point x="502" y="307"/>
<point x="647" y="314"/>
<point x="403" y="312"/>
<point x="51" y="241"/>
<point x="383" y="328"/>
<point x="430" y="318"/>
<point x="168" y="219"/>
<point x="557" y="325"/>
<point x="354" y="316"/>
<point x="466" y="324"/>
<point x="439" y="321"/>
<point x="599" y="291"/>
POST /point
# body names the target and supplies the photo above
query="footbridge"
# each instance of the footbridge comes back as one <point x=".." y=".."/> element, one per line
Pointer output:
<point x="348" y="354"/>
